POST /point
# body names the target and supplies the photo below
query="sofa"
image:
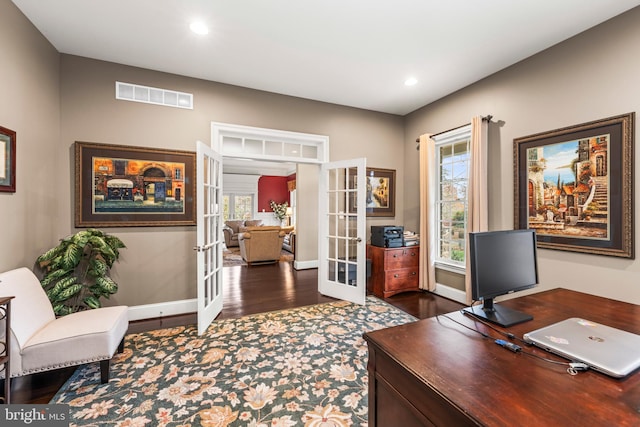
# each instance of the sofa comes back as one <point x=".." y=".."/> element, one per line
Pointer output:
<point x="261" y="245"/>
<point x="232" y="228"/>
<point x="289" y="243"/>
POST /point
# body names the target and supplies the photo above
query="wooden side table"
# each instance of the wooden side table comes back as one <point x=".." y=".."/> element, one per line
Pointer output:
<point x="5" y="350"/>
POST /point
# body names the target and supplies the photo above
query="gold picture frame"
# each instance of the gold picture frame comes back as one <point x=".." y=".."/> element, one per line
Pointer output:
<point x="574" y="185"/>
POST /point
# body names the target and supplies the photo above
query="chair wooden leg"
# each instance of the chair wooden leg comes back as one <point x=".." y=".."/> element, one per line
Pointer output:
<point x="104" y="371"/>
<point x="105" y="365"/>
<point x="6" y="385"/>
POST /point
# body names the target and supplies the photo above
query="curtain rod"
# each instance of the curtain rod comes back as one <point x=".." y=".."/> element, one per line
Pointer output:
<point x="486" y="118"/>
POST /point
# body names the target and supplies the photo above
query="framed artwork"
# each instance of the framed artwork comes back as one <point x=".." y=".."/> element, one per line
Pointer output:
<point x="7" y="160"/>
<point x="574" y="186"/>
<point x="125" y="186"/>
<point x="381" y="192"/>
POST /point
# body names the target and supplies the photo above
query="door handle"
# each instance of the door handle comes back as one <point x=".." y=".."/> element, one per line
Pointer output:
<point x="203" y="247"/>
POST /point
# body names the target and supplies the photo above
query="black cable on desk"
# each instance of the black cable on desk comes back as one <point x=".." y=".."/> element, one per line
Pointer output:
<point x="485" y="335"/>
<point x="490" y="326"/>
<point x="572" y="367"/>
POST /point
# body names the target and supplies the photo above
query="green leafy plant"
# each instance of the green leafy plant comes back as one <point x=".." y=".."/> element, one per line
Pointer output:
<point x="76" y="272"/>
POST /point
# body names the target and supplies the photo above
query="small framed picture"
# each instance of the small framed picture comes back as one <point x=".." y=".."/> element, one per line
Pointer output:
<point x="380" y="193"/>
<point x="7" y="160"/>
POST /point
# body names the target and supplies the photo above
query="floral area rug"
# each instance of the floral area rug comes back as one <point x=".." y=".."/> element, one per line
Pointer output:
<point x="301" y="367"/>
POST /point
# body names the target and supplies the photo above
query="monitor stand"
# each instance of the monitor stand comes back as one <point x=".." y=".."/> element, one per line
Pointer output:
<point x="497" y="314"/>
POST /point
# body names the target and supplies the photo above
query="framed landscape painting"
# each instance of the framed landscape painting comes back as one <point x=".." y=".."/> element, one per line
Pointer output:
<point x="126" y="186"/>
<point x="574" y="186"/>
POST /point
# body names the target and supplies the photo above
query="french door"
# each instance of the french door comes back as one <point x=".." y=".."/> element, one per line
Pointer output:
<point x="341" y="230"/>
<point x="209" y="235"/>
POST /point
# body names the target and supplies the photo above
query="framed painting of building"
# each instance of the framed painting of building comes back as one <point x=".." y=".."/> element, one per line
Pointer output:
<point x="574" y="186"/>
<point x="381" y="192"/>
<point x="126" y="186"/>
<point x="380" y="197"/>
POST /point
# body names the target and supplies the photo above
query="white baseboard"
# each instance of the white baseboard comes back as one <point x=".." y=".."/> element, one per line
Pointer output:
<point x="305" y="265"/>
<point x="451" y="293"/>
<point x="163" y="309"/>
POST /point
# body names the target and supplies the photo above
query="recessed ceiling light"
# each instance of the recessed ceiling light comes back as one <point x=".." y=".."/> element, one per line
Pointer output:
<point x="199" y="28"/>
<point x="410" y="81"/>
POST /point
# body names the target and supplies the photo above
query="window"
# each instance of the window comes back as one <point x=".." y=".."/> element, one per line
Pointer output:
<point x="237" y="206"/>
<point x="452" y="161"/>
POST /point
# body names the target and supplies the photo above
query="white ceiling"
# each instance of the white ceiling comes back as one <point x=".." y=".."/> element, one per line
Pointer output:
<point x="349" y="52"/>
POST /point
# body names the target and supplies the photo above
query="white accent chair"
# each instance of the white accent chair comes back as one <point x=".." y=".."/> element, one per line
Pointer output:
<point x="41" y="342"/>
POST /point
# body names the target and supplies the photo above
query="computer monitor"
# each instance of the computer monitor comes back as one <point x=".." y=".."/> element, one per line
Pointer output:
<point x="502" y="262"/>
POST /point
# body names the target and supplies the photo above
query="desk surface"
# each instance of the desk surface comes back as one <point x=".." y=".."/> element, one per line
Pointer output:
<point x="490" y="385"/>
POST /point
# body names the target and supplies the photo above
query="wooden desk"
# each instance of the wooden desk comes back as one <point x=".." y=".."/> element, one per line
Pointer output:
<point x="434" y="372"/>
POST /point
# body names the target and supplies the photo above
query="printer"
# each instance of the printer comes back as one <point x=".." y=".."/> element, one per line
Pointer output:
<point x="387" y="236"/>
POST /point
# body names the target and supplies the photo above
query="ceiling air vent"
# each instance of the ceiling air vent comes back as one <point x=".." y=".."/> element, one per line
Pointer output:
<point x="153" y="95"/>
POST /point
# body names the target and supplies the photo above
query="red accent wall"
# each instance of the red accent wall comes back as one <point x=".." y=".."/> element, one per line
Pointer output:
<point x="272" y="188"/>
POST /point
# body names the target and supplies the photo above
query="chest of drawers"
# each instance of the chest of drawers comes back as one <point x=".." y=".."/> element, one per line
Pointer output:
<point x="393" y="270"/>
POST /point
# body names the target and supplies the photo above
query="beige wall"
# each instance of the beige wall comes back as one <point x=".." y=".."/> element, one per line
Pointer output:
<point x="29" y="84"/>
<point x="307" y="225"/>
<point x="159" y="264"/>
<point x="58" y="99"/>
<point x="592" y="76"/>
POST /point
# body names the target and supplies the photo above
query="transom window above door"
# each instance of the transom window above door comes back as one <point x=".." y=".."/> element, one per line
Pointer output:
<point x="269" y="144"/>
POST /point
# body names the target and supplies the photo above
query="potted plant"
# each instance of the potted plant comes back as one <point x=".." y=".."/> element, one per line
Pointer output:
<point x="279" y="209"/>
<point x="76" y="272"/>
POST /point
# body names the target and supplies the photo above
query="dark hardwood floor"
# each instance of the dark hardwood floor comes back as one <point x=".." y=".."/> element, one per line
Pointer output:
<point x="247" y="290"/>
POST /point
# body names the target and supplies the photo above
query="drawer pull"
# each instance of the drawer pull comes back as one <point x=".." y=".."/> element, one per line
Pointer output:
<point x="396" y="276"/>
<point x="395" y="255"/>
<point x="413" y="273"/>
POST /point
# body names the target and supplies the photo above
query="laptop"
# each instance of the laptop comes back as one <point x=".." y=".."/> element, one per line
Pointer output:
<point x="605" y="349"/>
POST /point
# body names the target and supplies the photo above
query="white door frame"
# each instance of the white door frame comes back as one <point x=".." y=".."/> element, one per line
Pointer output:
<point x="247" y="142"/>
